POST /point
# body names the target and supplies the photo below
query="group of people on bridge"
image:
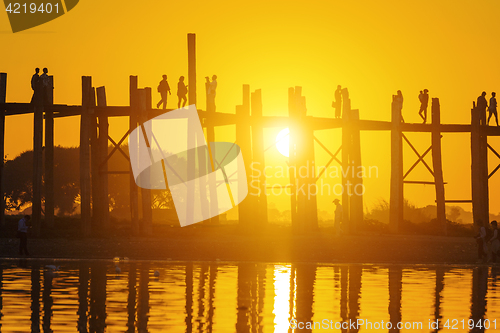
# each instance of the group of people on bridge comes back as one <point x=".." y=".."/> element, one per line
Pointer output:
<point x="482" y="105"/>
<point x="40" y="86"/>
<point x="164" y="90"/>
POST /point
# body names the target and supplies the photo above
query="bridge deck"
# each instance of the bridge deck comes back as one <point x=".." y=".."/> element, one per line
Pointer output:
<point x="221" y="119"/>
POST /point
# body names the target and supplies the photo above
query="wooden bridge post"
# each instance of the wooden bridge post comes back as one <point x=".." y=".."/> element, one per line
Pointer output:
<point x="397" y="196"/>
<point x="85" y="155"/>
<point x="146" y="227"/>
<point x="94" y="166"/>
<point x="243" y="139"/>
<point x="479" y="159"/>
<point x="192" y="68"/>
<point x="311" y="203"/>
<point x="102" y="160"/>
<point x="37" y="163"/>
<point x="292" y="164"/>
<point x="49" y="157"/>
<point x="346" y="155"/>
<point x="134" y="195"/>
<point x="437" y="165"/>
<point x="258" y="155"/>
<point x="356" y="208"/>
<point x="3" y="95"/>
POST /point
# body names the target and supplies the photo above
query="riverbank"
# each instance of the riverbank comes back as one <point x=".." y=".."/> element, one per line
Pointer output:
<point x="274" y="244"/>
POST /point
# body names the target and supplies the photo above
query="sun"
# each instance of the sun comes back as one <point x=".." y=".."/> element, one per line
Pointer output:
<point x="283" y="142"/>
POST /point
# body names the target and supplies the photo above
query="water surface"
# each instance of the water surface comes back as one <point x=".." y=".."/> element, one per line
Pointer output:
<point x="90" y="296"/>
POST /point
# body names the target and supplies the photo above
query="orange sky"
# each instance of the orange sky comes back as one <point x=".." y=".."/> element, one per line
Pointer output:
<point x="374" y="49"/>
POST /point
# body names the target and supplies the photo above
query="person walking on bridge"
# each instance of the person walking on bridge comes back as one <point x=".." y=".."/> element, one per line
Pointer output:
<point x="481" y="106"/>
<point x="424" y="102"/>
<point x="163" y="89"/>
<point x="492" y="109"/>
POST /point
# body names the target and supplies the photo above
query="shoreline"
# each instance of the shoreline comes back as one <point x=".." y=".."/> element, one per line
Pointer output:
<point x="274" y="245"/>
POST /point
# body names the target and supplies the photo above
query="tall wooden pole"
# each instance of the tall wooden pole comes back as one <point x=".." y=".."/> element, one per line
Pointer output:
<point x="85" y="155"/>
<point x="292" y="164"/>
<point x="147" y="212"/>
<point x="49" y="158"/>
<point x="479" y="169"/>
<point x="243" y="139"/>
<point x="192" y="68"/>
<point x="346" y="165"/>
<point x="37" y="163"/>
<point x="258" y="156"/>
<point x="102" y="159"/>
<point x="133" y="140"/>
<point x="357" y="188"/>
<point x="437" y="165"/>
<point x="397" y="199"/>
<point x="97" y="201"/>
<point x="3" y="95"/>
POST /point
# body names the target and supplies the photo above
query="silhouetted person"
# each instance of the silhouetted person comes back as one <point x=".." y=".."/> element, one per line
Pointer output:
<point x="492" y="109"/>
<point x="424" y="102"/>
<point x="211" y="92"/>
<point x="164" y="90"/>
<point x="494" y="241"/>
<point x="399" y="104"/>
<point x="481" y="107"/>
<point x="339" y="212"/>
<point x="181" y="92"/>
<point x="44" y="85"/>
<point x="34" y="84"/>
<point x="337" y="104"/>
<point x="481" y="240"/>
<point x="22" y="231"/>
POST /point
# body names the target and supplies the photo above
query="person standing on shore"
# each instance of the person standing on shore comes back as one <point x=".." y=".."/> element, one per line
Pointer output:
<point x="494" y="241"/>
<point x="22" y="231"/>
<point x="338" y="217"/>
<point x="482" y="247"/>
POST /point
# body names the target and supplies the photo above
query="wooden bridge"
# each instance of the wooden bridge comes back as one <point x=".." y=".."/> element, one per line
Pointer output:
<point x="250" y="122"/>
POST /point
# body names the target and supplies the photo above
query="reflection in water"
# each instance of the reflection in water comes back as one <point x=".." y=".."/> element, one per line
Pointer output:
<point x="250" y="297"/>
<point x="395" y="288"/>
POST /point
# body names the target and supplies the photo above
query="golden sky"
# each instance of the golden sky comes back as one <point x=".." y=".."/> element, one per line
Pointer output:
<point x="372" y="48"/>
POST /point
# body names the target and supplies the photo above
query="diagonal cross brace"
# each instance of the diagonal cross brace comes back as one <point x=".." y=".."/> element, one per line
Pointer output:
<point x="420" y="158"/>
<point x="498" y="156"/>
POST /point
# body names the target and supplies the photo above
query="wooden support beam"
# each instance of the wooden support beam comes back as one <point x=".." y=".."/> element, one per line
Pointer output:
<point x="95" y="178"/>
<point x="3" y="95"/>
<point x="258" y="158"/>
<point x="479" y="169"/>
<point x="85" y="185"/>
<point x="437" y="165"/>
<point x="49" y="158"/>
<point x="356" y="207"/>
<point x="37" y="163"/>
<point x="210" y="116"/>
<point x="192" y="68"/>
<point x="397" y="196"/>
<point x="146" y="227"/>
<point x="292" y="159"/>
<point x="133" y="142"/>
<point x="247" y="207"/>
<point x="102" y="157"/>
<point x="346" y="155"/>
